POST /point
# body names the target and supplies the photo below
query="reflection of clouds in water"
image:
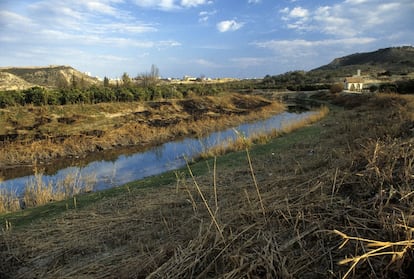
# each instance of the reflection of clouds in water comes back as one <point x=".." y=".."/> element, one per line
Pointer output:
<point x="161" y="158"/>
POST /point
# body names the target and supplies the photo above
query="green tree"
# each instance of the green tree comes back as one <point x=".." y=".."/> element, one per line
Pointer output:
<point x="74" y="81"/>
<point x="126" y="80"/>
<point x="106" y="82"/>
<point x="124" y="95"/>
<point x="35" y="95"/>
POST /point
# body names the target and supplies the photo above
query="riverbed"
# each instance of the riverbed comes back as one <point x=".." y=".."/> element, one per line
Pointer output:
<point x="127" y="167"/>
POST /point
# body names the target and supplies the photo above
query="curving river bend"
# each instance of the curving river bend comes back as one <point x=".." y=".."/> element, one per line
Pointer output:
<point x="166" y="157"/>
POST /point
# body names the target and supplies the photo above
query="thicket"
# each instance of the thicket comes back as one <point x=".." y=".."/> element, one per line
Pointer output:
<point x="401" y="87"/>
<point x="98" y="94"/>
<point x="298" y="81"/>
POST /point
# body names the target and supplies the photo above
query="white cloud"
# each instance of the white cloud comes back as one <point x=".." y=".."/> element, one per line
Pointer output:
<point x="246" y="62"/>
<point x="206" y="63"/>
<point x="101" y="7"/>
<point x="254" y="1"/>
<point x="12" y="21"/>
<point x="229" y="25"/>
<point x="355" y="2"/>
<point x="157" y="4"/>
<point x="204" y="16"/>
<point x="349" y="17"/>
<point x="94" y="24"/>
<point x="168" y="5"/>
<point x="282" y="45"/>
<point x="297" y="18"/>
<point x="307" y="54"/>
<point x="299" y="12"/>
<point x="194" y="3"/>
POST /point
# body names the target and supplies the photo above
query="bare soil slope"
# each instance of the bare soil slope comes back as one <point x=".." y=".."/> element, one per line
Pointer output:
<point x="48" y="76"/>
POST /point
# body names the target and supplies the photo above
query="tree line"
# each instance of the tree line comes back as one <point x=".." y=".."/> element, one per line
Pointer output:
<point x="125" y="92"/>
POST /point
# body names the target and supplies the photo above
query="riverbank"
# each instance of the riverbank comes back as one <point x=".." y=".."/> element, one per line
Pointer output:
<point x="41" y="135"/>
<point x="281" y="209"/>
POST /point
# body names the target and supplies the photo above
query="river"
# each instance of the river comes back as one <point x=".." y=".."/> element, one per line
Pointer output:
<point x="166" y="157"/>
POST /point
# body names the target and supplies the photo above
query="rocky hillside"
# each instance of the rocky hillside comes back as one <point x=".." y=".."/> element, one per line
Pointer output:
<point x="395" y="60"/>
<point x="12" y="78"/>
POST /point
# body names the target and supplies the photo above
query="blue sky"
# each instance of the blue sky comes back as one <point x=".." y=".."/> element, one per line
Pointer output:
<point x="214" y="38"/>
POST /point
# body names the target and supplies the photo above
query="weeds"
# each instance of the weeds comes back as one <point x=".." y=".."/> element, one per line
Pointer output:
<point x="37" y="192"/>
<point x="9" y="201"/>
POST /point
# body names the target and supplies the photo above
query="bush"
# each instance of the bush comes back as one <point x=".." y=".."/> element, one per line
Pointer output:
<point x="5" y="99"/>
<point x="336" y="88"/>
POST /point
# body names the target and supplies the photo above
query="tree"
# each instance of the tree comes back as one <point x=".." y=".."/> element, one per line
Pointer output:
<point x="35" y="95"/>
<point x="126" y="80"/>
<point x="74" y="81"/>
<point x="155" y="72"/>
<point x="151" y="78"/>
<point x="106" y="82"/>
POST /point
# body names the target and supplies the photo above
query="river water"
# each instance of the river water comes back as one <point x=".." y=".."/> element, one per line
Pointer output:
<point x="166" y="157"/>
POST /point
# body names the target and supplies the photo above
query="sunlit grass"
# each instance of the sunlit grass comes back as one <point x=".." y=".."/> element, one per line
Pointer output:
<point x="262" y="137"/>
<point x="37" y="192"/>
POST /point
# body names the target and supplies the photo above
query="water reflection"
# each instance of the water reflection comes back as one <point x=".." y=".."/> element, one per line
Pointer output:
<point x="165" y="157"/>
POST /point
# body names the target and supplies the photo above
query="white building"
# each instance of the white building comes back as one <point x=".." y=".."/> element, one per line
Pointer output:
<point x="354" y="83"/>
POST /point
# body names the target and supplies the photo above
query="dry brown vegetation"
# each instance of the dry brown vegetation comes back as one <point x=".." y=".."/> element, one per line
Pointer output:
<point x="262" y="137"/>
<point x="329" y="201"/>
<point x="40" y="134"/>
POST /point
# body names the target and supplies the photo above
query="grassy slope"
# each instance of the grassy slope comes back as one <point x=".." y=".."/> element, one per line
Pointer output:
<point x="352" y="172"/>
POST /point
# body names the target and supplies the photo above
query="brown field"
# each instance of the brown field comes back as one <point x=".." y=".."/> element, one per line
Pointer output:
<point x="331" y="200"/>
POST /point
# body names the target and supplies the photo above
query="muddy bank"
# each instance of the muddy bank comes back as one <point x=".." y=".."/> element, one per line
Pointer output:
<point x="52" y="134"/>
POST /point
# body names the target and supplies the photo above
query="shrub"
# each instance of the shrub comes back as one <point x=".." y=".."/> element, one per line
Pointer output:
<point x="336" y="88"/>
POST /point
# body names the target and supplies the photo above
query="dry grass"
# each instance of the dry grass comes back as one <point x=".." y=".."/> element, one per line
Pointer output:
<point x="8" y="201"/>
<point x="37" y="192"/>
<point x="263" y="137"/>
<point x="357" y="182"/>
<point x="397" y="250"/>
<point x="50" y="132"/>
<point x="316" y="116"/>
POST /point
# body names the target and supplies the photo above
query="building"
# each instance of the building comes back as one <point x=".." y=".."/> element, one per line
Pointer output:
<point x="354" y="83"/>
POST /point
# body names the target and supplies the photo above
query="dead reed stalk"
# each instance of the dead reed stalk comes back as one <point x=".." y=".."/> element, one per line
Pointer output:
<point x="212" y="215"/>
<point x="397" y="250"/>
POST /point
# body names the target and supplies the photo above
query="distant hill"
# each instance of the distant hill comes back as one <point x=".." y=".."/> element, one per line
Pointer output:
<point x="395" y="60"/>
<point x="12" y="78"/>
<point x="387" y="65"/>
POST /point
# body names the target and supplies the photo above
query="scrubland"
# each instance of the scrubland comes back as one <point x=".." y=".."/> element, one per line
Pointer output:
<point x="333" y="199"/>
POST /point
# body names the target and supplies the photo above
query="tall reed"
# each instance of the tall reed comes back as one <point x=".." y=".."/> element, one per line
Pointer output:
<point x="8" y="201"/>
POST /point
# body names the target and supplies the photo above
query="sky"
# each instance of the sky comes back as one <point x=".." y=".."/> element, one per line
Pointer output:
<point x="211" y="38"/>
